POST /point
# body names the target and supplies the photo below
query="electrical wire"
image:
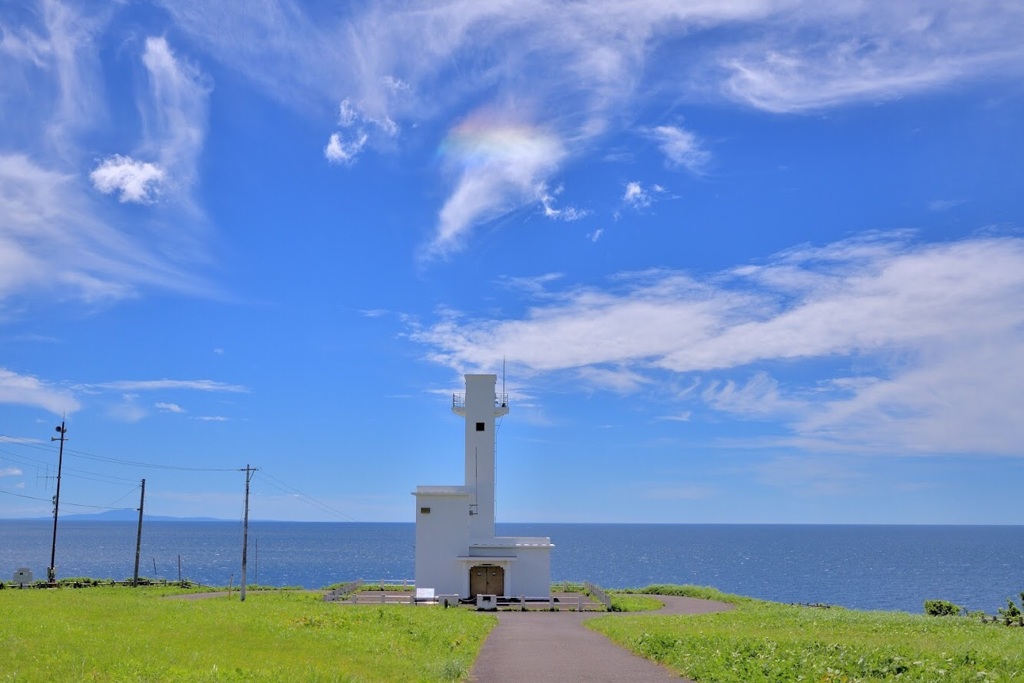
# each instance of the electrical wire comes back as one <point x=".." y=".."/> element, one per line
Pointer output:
<point x="50" y="500"/>
<point x="309" y="500"/>
<point x="117" y="461"/>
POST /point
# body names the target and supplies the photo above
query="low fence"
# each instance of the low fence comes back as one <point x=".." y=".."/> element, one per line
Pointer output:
<point x="598" y="594"/>
<point x="344" y="589"/>
<point x="402" y="592"/>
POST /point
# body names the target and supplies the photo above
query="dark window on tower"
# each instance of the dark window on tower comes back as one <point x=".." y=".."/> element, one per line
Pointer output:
<point x="479" y="426"/>
<point x="424" y="511"/>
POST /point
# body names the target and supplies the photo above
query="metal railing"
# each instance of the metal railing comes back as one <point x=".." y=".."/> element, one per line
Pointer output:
<point x="500" y="400"/>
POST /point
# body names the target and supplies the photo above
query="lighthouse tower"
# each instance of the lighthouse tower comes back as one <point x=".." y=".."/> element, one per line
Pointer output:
<point x="457" y="552"/>
<point x="480" y="406"/>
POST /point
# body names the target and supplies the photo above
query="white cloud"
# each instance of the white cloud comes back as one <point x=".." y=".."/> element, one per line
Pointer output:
<point x="914" y="346"/>
<point x="944" y="204"/>
<point x="10" y="472"/>
<point x="500" y="165"/>
<point x="591" y="65"/>
<point x="57" y="238"/>
<point x="834" y="55"/>
<point x="178" y="103"/>
<point x="169" y="407"/>
<point x="341" y="151"/>
<point x="395" y="84"/>
<point x="136" y="181"/>
<point x="596" y="235"/>
<point x="681" y="147"/>
<point x="72" y="62"/>
<point x="619" y="380"/>
<point x="547" y="200"/>
<point x="535" y="285"/>
<point x="212" y="418"/>
<point x="25" y="46"/>
<point x="347" y="114"/>
<point x="758" y="396"/>
<point x="128" y="410"/>
<point x="161" y="384"/>
<point x="345" y="149"/>
<point x="29" y="391"/>
<point x="637" y="197"/>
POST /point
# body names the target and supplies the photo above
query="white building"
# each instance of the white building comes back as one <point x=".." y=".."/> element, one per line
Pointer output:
<point x="457" y="552"/>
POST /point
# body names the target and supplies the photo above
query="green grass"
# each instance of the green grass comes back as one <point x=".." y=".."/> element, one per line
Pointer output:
<point x="125" y="634"/>
<point x="762" y="642"/>
<point x="624" y="602"/>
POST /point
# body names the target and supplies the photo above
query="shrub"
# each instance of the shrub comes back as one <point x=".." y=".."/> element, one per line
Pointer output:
<point x="1012" y="614"/>
<point x="942" y="608"/>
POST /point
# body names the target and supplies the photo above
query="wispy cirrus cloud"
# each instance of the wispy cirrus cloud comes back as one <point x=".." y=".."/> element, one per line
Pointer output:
<point x="31" y="391"/>
<point x="163" y="384"/>
<point x="591" y="67"/>
<point x="913" y="345"/>
<point x="681" y="147"/>
<point x="500" y="166"/>
<point x="872" y="51"/>
<point x="54" y="217"/>
<point x="174" y="108"/>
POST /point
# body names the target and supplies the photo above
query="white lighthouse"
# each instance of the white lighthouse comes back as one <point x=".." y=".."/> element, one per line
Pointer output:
<point x="457" y="552"/>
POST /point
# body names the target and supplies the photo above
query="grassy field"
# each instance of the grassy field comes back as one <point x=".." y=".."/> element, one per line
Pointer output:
<point x="627" y="602"/>
<point x="122" y="634"/>
<point x="774" y="643"/>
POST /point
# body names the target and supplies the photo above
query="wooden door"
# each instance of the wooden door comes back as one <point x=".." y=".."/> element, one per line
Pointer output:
<point x="486" y="579"/>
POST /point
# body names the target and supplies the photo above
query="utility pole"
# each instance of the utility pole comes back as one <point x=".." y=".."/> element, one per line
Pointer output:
<point x="249" y="471"/>
<point x="51" y="571"/>
<point x="138" y="535"/>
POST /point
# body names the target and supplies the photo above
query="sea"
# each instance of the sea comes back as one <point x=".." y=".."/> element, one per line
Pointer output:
<point x="861" y="567"/>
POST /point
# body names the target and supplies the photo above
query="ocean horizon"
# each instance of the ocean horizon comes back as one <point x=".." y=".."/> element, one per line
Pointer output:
<point x="875" y="567"/>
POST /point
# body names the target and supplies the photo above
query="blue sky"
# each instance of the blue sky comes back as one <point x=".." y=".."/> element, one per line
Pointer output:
<point x="741" y="261"/>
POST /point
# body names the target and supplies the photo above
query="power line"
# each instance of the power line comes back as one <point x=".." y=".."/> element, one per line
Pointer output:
<point x="117" y="461"/>
<point x="309" y="500"/>
<point x="156" y="466"/>
<point x="108" y="459"/>
<point x="112" y="506"/>
<point x="78" y="473"/>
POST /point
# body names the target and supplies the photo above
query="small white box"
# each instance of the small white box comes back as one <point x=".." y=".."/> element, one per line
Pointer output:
<point x="23" y="576"/>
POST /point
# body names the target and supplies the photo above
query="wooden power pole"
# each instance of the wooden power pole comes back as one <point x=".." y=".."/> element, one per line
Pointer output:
<point x="249" y="471"/>
<point x="138" y="535"/>
<point x="51" y="571"/>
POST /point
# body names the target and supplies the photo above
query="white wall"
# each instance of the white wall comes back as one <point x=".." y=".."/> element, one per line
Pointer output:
<point x="441" y="536"/>
<point x="480" y="408"/>
<point x="532" y="573"/>
<point x="529" y="571"/>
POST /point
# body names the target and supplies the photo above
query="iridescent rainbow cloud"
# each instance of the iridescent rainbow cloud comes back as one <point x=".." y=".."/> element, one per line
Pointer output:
<point x="483" y="138"/>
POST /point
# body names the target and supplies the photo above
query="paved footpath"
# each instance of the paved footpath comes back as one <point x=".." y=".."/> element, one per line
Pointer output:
<point x="536" y="647"/>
